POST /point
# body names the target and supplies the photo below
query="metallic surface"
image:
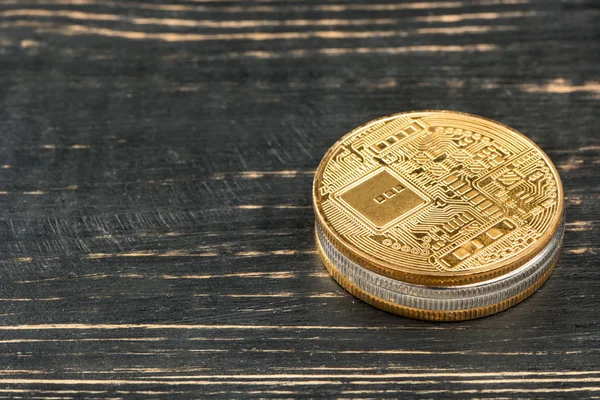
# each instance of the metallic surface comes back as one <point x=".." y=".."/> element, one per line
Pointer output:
<point x="437" y="197"/>
<point x="438" y="211"/>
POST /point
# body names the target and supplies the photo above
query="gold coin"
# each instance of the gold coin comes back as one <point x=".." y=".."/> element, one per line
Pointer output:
<point x="438" y="214"/>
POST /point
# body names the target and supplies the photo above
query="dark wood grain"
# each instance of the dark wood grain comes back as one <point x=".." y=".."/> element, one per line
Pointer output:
<point x="155" y="171"/>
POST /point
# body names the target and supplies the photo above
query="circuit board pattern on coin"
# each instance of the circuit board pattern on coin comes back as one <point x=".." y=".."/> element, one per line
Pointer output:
<point x="438" y="192"/>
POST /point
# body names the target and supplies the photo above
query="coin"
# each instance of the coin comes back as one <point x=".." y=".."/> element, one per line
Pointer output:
<point x="438" y="215"/>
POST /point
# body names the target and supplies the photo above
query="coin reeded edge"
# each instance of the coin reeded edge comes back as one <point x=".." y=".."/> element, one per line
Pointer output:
<point x="542" y="264"/>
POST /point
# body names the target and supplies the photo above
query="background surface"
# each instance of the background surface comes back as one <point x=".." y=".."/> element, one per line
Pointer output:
<point x="156" y="159"/>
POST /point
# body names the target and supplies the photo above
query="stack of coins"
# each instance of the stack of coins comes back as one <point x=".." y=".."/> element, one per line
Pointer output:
<point x="438" y="215"/>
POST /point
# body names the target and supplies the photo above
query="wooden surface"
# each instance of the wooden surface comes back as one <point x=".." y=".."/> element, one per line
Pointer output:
<point x="155" y="171"/>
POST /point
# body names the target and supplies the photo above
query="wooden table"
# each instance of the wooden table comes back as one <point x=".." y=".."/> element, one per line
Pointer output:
<point x="156" y="164"/>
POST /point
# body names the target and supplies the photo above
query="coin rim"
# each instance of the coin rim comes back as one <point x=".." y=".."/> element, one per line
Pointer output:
<point x="443" y="297"/>
<point x="432" y="315"/>
<point x="440" y="278"/>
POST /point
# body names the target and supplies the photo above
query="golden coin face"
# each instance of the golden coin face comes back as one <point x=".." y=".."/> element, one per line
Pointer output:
<point x="437" y="197"/>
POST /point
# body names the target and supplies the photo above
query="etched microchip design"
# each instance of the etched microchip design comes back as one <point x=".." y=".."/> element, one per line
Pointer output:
<point x="438" y="192"/>
<point x="381" y="198"/>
